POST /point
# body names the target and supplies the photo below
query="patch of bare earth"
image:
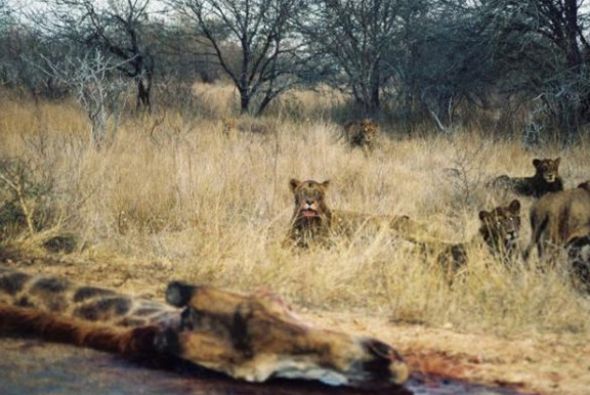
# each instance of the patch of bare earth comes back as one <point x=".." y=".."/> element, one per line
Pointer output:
<point x="529" y="362"/>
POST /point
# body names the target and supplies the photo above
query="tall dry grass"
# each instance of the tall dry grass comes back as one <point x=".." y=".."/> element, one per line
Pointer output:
<point x="214" y="208"/>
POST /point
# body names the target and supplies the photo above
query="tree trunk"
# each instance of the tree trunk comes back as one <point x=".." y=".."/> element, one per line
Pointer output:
<point x="265" y="102"/>
<point x="244" y="101"/>
<point x="143" y="94"/>
<point x="574" y="57"/>
<point x="375" y="99"/>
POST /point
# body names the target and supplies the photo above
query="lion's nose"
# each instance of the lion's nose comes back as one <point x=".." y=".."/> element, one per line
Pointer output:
<point x="309" y="202"/>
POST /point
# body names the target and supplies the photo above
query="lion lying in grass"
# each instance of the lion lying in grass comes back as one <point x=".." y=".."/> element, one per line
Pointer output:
<point x="361" y="133"/>
<point x="546" y="179"/>
<point x="314" y="222"/>
<point x="499" y="231"/>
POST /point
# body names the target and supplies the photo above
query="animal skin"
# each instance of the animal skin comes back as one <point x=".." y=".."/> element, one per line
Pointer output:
<point x="250" y="337"/>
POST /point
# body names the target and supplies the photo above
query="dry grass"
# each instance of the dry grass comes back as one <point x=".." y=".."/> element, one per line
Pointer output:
<point x="214" y="208"/>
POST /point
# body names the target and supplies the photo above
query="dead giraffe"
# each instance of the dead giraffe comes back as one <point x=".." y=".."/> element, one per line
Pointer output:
<point x="250" y="337"/>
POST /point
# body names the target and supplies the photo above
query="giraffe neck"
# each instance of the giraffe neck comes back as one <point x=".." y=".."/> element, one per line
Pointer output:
<point x="57" y="296"/>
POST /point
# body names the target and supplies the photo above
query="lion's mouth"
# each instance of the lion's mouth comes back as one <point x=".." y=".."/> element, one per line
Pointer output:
<point x="309" y="213"/>
<point x="550" y="178"/>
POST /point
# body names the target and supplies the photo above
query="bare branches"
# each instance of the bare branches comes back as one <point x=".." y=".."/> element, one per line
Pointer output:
<point x="117" y="28"/>
<point x="264" y="34"/>
<point x="357" y="38"/>
<point x="96" y="86"/>
<point x="26" y="191"/>
<point x="17" y="187"/>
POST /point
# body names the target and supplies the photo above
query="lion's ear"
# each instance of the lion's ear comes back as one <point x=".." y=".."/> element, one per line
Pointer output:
<point x="514" y="206"/>
<point x="536" y="162"/>
<point x="325" y="184"/>
<point x="483" y="215"/>
<point x="294" y="183"/>
<point x="557" y="160"/>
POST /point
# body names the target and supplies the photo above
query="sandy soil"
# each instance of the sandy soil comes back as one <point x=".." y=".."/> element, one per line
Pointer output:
<point x="529" y="362"/>
<point x="536" y="363"/>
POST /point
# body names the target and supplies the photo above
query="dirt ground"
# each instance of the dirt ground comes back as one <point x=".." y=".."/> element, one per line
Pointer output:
<point x="529" y="362"/>
<point x="533" y="363"/>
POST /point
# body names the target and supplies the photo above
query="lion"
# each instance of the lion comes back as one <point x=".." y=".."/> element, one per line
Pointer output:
<point x="361" y="133"/>
<point x="499" y="231"/>
<point x="545" y="180"/>
<point x="558" y="217"/>
<point x="248" y="125"/>
<point x="314" y="222"/>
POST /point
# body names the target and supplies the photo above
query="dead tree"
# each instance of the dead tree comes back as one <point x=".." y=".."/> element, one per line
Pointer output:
<point x="96" y="85"/>
<point x="116" y="27"/>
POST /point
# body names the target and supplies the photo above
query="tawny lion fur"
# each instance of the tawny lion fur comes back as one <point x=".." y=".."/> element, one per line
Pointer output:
<point x="361" y="133"/>
<point x="558" y="217"/>
<point x="499" y="231"/>
<point x="313" y="222"/>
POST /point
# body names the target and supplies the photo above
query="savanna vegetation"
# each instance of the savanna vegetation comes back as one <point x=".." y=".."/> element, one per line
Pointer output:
<point x="115" y="161"/>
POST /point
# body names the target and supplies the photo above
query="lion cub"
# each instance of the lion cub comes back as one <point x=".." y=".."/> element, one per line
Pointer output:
<point x="314" y="222"/>
<point x="499" y="230"/>
<point x="546" y="179"/>
<point x="361" y="133"/>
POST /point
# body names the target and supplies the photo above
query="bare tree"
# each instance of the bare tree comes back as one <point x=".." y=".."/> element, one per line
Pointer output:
<point x="264" y="35"/>
<point x="450" y="60"/>
<point x="93" y="80"/>
<point x="544" y="54"/>
<point x="116" y="27"/>
<point x="356" y="37"/>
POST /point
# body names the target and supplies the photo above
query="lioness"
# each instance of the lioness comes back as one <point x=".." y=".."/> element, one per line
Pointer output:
<point x="361" y="133"/>
<point x="546" y="179"/>
<point x="557" y="217"/>
<point x="314" y="221"/>
<point x="499" y="230"/>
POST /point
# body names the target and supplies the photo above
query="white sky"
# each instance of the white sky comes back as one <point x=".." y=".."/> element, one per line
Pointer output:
<point x="28" y="5"/>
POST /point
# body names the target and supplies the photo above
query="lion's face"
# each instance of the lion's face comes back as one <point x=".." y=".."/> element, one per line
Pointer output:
<point x="501" y="226"/>
<point x="547" y="168"/>
<point x="309" y="198"/>
<point x="368" y="130"/>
